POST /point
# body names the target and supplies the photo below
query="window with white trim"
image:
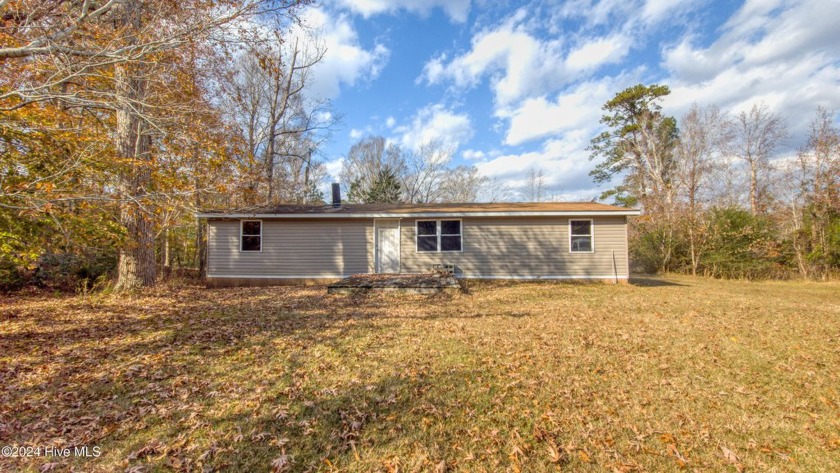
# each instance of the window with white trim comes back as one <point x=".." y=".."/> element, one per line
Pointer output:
<point x="435" y="236"/>
<point x="250" y="236"/>
<point x="581" y="236"/>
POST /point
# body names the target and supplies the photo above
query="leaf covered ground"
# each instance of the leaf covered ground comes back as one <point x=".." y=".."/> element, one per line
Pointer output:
<point x="658" y="375"/>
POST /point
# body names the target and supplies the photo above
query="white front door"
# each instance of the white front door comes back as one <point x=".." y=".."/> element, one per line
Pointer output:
<point x="388" y="250"/>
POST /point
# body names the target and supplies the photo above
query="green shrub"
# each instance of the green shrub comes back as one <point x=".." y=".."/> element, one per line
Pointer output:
<point x="69" y="271"/>
<point x="742" y="245"/>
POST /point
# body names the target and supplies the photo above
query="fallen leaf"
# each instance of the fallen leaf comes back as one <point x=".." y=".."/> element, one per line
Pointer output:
<point x="281" y="463"/>
<point x="732" y="458"/>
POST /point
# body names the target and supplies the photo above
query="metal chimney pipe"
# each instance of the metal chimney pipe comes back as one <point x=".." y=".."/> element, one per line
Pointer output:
<point x="336" y="195"/>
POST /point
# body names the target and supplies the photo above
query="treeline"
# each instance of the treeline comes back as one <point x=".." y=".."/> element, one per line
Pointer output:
<point x="375" y="171"/>
<point x="720" y="196"/>
<point x="120" y="119"/>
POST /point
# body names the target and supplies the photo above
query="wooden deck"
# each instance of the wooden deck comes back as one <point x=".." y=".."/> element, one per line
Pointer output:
<point x="407" y="283"/>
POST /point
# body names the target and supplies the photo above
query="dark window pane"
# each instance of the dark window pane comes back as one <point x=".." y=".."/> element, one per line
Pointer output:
<point x="427" y="228"/>
<point x="450" y="227"/>
<point x="581" y="243"/>
<point x="251" y="243"/>
<point x="581" y="227"/>
<point x="427" y="243"/>
<point x="450" y="243"/>
<point x="251" y="228"/>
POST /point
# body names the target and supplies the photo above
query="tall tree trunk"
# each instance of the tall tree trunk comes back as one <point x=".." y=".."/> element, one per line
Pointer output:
<point x="136" y="266"/>
<point x="692" y="249"/>
<point x="306" y="177"/>
<point x="200" y="239"/>
<point x="167" y="257"/>
<point x="798" y="249"/>
<point x="269" y="167"/>
<point x="753" y="187"/>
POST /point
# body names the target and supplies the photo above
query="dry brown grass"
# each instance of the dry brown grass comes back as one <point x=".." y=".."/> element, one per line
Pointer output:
<point x="679" y="372"/>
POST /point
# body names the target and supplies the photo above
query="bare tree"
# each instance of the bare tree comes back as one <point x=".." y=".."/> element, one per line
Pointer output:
<point x="463" y="184"/>
<point x="535" y="181"/>
<point x="67" y="43"/>
<point x="758" y="133"/>
<point x="281" y="124"/>
<point x="426" y="170"/>
<point x="814" y="182"/>
<point x="496" y="190"/>
<point x="703" y="133"/>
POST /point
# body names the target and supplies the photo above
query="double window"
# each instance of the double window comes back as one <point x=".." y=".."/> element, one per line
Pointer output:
<point x="581" y="236"/>
<point x="438" y="235"/>
<point x="250" y="235"/>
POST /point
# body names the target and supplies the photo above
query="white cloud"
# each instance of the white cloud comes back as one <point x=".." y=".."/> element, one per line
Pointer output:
<point x="517" y="62"/>
<point x="574" y="109"/>
<point x="655" y="10"/>
<point x="598" y="52"/>
<point x="473" y="155"/>
<point x="390" y="122"/>
<point x="594" y="13"/>
<point x="435" y="122"/>
<point x="626" y="13"/>
<point x="334" y="169"/>
<point x="564" y="162"/>
<point x="521" y="63"/>
<point x="457" y="10"/>
<point x="355" y="133"/>
<point x="346" y="62"/>
<point x="783" y="53"/>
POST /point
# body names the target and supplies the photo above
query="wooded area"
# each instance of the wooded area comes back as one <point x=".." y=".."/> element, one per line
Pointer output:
<point x="718" y="199"/>
<point x="120" y="119"/>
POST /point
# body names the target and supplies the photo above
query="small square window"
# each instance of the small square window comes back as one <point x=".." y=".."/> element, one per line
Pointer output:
<point x="427" y="228"/>
<point x="580" y="236"/>
<point x="251" y="237"/>
<point x="581" y="227"/>
<point x="427" y="243"/>
<point x="450" y="243"/>
<point x="450" y="227"/>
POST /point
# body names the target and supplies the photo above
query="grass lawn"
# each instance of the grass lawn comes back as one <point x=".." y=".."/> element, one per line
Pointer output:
<point x="673" y="373"/>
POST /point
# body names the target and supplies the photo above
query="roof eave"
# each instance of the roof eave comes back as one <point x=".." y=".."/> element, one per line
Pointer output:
<point x="563" y="213"/>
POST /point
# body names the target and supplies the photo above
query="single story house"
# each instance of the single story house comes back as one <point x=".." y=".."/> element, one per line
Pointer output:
<point x="306" y="243"/>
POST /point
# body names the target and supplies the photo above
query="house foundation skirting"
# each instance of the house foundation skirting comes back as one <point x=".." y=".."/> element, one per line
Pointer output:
<point x="244" y="281"/>
<point x="248" y="281"/>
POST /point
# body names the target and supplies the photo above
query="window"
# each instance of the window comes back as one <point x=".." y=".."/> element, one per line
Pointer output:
<point x="580" y="236"/>
<point x="251" y="235"/>
<point x="438" y="235"/>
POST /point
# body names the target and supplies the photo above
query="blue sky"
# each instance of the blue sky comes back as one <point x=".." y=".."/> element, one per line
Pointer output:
<point x="519" y="85"/>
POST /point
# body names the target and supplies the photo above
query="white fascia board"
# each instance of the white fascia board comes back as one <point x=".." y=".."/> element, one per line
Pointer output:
<point x="269" y="276"/>
<point x="594" y="213"/>
<point x="539" y="278"/>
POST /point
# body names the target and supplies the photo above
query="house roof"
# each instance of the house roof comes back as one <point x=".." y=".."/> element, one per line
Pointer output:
<point x="500" y="209"/>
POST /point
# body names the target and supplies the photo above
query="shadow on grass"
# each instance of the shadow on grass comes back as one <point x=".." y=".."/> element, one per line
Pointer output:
<point x="126" y="373"/>
<point x="90" y="354"/>
<point x="342" y="427"/>
<point x="652" y="281"/>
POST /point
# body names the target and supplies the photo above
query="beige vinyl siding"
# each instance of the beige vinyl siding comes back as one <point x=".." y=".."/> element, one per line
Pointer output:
<point x="293" y="249"/>
<point x="524" y="248"/>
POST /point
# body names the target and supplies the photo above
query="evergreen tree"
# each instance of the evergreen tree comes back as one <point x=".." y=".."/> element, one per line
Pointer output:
<point x="384" y="189"/>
